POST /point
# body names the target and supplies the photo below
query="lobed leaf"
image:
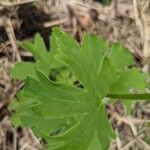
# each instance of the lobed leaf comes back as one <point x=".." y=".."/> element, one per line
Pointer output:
<point x="47" y="107"/>
<point x="44" y="59"/>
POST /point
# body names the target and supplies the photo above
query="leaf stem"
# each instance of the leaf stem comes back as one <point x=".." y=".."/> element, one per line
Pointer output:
<point x="144" y="96"/>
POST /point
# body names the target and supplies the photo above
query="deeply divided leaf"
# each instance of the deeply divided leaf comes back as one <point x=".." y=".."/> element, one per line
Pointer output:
<point x="68" y="117"/>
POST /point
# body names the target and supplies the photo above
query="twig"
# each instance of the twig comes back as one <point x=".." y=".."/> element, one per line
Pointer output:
<point x="55" y="22"/>
<point x="142" y="13"/>
<point x="146" y="21"/>
<point x="84" y="5"/>
<point x="138" y="18"/>
<point x="133" y="141"/>
<point x="126" y="120"/>
<point x="133" y="128"/>
<point x="118" y="142"/>
<point x="11" y="4"/>
<point x="14" y="139"/>
<point x="11" y="36"/>
<point x="139" y="140"/>
<point x="36" y="140"/>
<point x="27" y="146"/>
<point x="127" y="146"/>
<point x="9" y="95"/>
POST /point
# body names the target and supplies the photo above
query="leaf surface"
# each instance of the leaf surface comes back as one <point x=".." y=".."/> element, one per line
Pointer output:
<point x="88" y="133"/>
<point x="22" y="70"/>
<point x="76" y="118"/>
<point x="120" y="56"/>
<point x="44" y="59"/>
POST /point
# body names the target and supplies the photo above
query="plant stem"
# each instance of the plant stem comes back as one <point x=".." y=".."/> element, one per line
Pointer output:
<point x="130" y="96"/>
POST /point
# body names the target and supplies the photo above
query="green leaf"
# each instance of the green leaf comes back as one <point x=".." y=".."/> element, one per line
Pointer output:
<point x="88" y="62"/>
<point x="53" y="51"/>
<point x="120" y="56"/>
<point x="57" y="103"/>
<point x="45" y="103"/>
<point x="26" y="117"/>
<point x="22" y="70"/>
<point x="129" y="80"/>
<point x="106" y="78"/>
<point x="88" y="133"/>
<point x="57" y="100"/>
<point x="44" y="59"/>
<point x="40" y="53"/>
<point x="37" y="48"/>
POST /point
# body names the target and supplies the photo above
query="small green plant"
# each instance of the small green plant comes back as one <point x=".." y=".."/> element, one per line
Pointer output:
<point x="66" y="116"/>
